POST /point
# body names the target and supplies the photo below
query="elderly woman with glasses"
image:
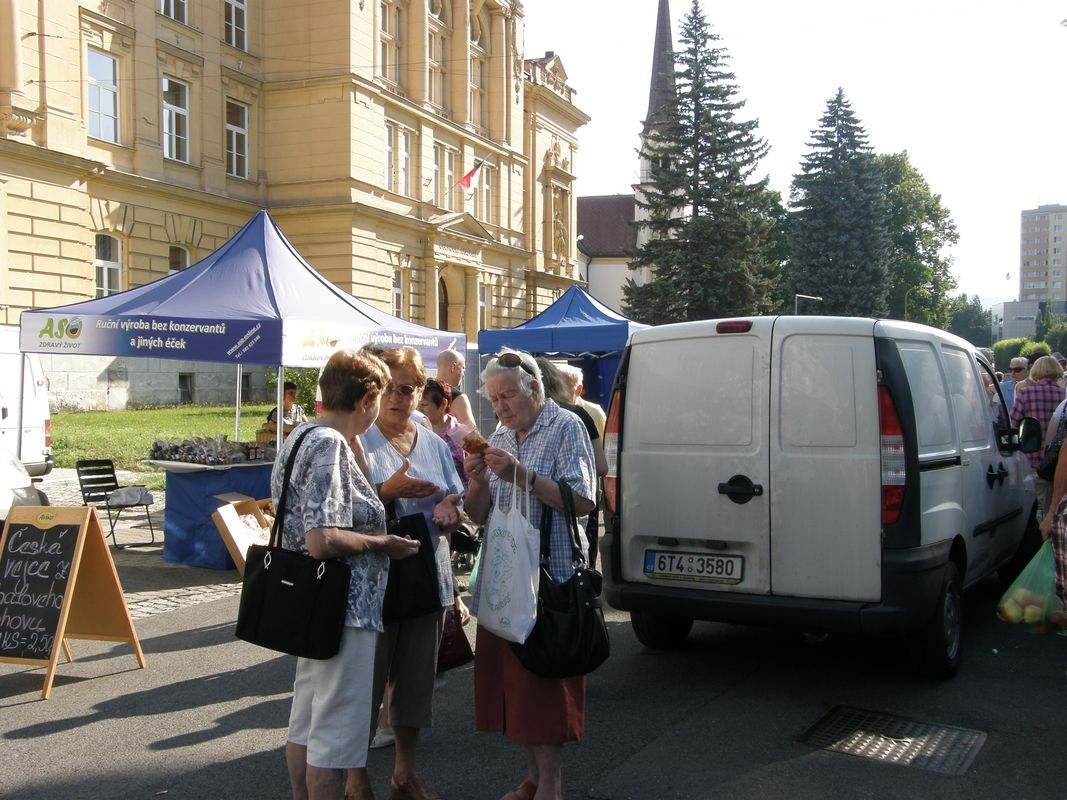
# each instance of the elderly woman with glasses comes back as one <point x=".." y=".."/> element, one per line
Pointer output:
<point x="414" y="472"/>
<point x="537" y="445"/>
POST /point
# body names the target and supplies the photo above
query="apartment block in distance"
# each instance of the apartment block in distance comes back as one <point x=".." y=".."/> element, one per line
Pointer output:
<point x="136" y="136"/>
<point x="1043" y="254"/>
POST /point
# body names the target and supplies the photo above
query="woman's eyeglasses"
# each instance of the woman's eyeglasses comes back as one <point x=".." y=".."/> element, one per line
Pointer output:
<point x="512" y="360"/>
<point x="404" y="389"/>
<point x="1017" y="369"/>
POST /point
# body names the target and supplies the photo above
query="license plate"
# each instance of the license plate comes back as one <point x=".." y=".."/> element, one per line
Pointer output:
<point x="703" y="567"/>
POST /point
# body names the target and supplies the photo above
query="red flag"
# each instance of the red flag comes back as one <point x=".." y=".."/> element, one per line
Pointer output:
<point x="465" y="181"/>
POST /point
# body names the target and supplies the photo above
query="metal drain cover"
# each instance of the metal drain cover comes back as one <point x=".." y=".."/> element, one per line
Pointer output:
<point x="893" y="740"/>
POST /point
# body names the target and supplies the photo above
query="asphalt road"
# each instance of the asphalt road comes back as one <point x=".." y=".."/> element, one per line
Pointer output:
<point x="722" y="717"/>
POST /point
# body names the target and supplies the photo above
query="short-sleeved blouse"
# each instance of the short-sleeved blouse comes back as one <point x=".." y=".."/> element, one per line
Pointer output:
<point x="328" y="490"/>
<point x="557" y="447"/>
<point x="429" y="460"/>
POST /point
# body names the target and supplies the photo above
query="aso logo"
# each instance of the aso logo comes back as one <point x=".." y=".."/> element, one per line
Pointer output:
<point x="61" y="328"/>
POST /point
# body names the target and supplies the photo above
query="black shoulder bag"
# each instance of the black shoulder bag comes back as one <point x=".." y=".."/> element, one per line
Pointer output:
<point x="412" y="588"/>
<point x="1046" y="467"/>
<point x="292" y="602"/>
<point x="570" y="636"/>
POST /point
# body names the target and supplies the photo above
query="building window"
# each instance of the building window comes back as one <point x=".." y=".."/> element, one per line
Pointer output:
<point x="236" y="139"/>
<point x="437" y="54"/>
<point x="490" y="195"/>
<point x="450" y="180"/>
<point x="186" y="387"/>
<point x="398" y="293"/>
<point x="398" y="159"/>
<point x="103" y="96"/>
<point x="175" y="119"/>
<point x="389" y="28"/>
<point x="108" y="265"/>
<point x="483" y="307"/>
<point x="479" y="47"/>
<point x="235" y="23"/>
<point x="178" y="259"/>
<point x="175" y="9"/>
<point x="438" y="170"/>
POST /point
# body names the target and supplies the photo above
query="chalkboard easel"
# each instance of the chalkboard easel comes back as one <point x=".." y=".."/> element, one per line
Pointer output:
<point x="58" y="582"/>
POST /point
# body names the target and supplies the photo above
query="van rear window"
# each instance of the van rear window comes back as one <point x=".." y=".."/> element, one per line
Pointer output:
<point x="691" y="393"/>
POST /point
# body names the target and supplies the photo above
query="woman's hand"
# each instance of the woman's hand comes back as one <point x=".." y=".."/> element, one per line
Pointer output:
<point x="502" y="463"/>
<point x="400" y="484"/>
<point x="447" y="514"/>
<point x="474" y="466"/>
<point x="1046" y="525"/>
<point x="398" y="547"/>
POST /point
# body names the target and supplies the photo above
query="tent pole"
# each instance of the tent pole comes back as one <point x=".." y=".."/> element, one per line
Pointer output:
<point x="237" y="416"/>
<point x="279" y="433"/>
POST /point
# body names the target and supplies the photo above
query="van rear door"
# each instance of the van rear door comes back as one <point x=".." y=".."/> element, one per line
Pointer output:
<point x="824" y="453"/>
<point x="695" y="502"/>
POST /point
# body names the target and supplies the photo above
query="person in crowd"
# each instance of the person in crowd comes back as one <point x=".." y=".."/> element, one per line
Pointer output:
<point x="1018" y="369"/>
<point x="574" y="379"/>
<point x="557" y="388"/>
<point x="1061" y="360"/>
<point x="413" y="469"/>
<point x="332" y="511"/>
<point x="536" y="444"/>
<point x="451" y="365"/>
<point x="292" y="412"/>
<point x="436" y="404"/>
<point x="1039" y="398"/>
<point x="1054" y="521"/>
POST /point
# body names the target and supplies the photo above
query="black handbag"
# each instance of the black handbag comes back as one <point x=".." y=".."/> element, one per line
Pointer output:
<point x="290" y="601"/>
<point x="455" y="648"/>
<point x="412" y="588"/>
<point x="570" y="636"/>
<point x="1046" y="467"/>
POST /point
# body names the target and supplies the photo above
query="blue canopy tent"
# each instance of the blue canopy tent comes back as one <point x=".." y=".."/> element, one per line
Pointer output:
<point x="575" y="327"/>
<point x="255" y="300"/>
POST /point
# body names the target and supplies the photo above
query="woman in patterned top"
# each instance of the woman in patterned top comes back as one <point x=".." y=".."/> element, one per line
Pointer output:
<point x="537" y="445"/>
<point x="333" y="512"/>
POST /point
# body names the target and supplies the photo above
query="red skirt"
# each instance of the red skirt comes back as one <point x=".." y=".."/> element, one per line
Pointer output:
<point x="526" y="708"/>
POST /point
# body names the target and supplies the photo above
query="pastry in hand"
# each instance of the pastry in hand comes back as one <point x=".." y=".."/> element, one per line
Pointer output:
<point x="475" y="443"/>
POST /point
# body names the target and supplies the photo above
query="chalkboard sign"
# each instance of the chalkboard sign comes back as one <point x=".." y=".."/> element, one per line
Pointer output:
<point x="35" y="568"/>
<point x="58" y="582"/>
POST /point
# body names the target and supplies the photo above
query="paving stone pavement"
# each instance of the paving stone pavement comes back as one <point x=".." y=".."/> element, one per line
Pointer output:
<point x="150" y="584"/>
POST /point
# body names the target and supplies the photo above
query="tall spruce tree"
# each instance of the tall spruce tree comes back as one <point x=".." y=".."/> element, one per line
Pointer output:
<point x="838" y="237"/>
<point x="707" y="220"/>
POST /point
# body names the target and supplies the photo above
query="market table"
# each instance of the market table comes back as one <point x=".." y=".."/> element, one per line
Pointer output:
<point x="190" y="536"/>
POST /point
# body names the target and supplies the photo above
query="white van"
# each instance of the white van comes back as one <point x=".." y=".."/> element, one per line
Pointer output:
<point x="25" y="422"/>
<point x="825" y="473"/>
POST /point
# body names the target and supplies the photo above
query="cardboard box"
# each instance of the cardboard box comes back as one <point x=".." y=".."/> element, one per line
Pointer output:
<point x="237" y="535"/>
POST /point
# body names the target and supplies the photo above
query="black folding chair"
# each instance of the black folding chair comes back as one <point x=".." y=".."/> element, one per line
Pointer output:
<point x="100" y="487"/>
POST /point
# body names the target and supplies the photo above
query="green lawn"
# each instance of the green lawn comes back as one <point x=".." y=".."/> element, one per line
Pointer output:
<point x="126" y="436"/>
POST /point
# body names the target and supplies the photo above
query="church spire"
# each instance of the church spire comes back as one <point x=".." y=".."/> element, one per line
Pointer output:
<point x="662" y="89"/>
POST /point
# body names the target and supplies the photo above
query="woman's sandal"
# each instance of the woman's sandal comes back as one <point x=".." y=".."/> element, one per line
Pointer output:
<point x="526" y="790"/>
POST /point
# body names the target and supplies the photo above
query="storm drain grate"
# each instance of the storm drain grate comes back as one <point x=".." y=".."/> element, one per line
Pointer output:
<point x="893" y="740"/>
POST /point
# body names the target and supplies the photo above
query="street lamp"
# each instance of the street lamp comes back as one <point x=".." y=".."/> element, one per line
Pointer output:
<point x="797" y="298"/>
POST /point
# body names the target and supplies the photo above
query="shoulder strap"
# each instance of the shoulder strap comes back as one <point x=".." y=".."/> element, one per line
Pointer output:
<point x="279" y="512"/>
<point x="572" y="524"/>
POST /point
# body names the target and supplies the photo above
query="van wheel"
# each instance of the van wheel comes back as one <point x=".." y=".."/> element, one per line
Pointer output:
<point x="940" y="644"/>
<point x="660" y="633"/>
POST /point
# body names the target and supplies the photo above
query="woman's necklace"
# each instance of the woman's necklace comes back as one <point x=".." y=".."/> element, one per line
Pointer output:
<point x="403" y="441"/>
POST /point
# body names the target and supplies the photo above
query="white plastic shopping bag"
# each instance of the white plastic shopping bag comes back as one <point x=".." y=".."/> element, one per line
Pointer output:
<point x="507" y="570"/>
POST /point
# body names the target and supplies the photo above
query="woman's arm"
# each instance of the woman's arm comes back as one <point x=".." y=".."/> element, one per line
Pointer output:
<point x="325" y="543"/>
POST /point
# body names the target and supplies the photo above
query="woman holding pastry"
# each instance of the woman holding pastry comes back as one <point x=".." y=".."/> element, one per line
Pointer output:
<point x="537" y="445"/>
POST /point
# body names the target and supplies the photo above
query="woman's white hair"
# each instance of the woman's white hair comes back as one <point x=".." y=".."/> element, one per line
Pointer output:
<point x="525" y="378"/>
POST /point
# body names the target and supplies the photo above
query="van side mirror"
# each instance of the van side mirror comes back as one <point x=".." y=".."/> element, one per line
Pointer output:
<point x="1029" y="435"/>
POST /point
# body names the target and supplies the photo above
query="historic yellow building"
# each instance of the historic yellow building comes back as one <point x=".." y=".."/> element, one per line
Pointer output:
<point x="136" y="136"/>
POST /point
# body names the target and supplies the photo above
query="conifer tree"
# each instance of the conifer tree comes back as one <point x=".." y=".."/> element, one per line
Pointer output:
<point x="838" y="238"/>
<point x="709" y="220"/>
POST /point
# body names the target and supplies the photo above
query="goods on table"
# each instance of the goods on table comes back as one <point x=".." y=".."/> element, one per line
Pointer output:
<point x="211" y="451"/>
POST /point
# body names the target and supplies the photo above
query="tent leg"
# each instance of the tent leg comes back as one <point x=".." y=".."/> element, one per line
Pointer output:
<point x="237" y="416"/>
<point x="280" y="398"/>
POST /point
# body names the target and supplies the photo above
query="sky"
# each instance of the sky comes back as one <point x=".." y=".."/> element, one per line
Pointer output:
<point x="973" y="91"/>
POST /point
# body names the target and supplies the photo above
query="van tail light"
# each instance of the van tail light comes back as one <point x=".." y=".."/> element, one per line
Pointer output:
<point x="611" y="450"/>
<point x="48" y="435"/>
<point x="894" y="470"/>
